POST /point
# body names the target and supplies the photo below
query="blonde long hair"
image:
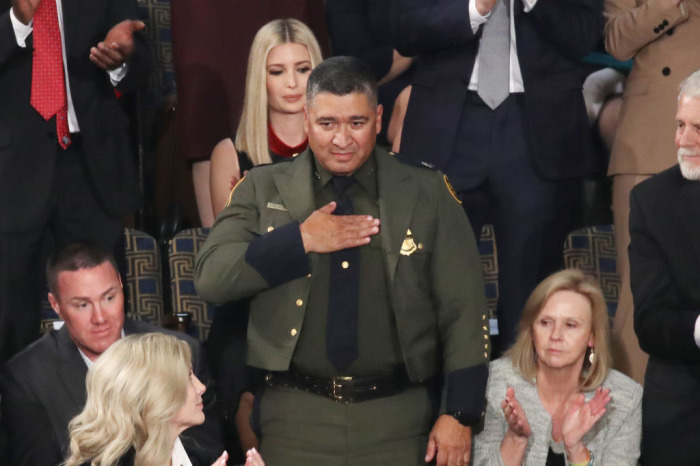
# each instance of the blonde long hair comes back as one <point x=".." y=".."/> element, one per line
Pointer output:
<point x="133" y="391"/>
<point x="523" y="354"/>
<point x="251" y="136"/>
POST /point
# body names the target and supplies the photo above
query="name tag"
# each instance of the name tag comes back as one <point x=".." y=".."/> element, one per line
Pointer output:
<point x="272" y="205"/>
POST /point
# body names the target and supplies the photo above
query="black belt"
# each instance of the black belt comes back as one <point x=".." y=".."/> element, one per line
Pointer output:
<point x="344" y="389"/>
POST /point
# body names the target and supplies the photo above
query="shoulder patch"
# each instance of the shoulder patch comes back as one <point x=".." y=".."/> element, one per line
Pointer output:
<point x="449" y="188"/>
<point x="230" y="196"/>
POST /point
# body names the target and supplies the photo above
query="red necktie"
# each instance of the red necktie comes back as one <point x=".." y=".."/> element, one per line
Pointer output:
<point x="48" y="85"/>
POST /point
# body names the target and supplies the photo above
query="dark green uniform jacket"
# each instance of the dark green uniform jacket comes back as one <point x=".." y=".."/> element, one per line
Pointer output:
<point x="433" y="273"/>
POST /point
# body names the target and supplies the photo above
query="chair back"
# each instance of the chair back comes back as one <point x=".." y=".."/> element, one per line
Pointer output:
<point x="182" y="252"/>
<point x="592" y="250"/>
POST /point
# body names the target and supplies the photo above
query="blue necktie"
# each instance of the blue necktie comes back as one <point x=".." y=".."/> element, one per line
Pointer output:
<point x="341" y="330"/>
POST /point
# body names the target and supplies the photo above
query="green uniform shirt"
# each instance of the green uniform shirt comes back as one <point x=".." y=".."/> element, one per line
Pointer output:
<point x="378" y="341"/>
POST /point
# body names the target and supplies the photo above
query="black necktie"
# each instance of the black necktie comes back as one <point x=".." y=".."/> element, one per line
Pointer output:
<point x="341" y="331"/>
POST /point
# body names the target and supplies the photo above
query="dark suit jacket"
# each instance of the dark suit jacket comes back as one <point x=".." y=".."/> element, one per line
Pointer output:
<point x="28" y="143"/>
<point x="436" y="291"/>
<point x="362" y="29"/>
<point x="550" y="39"/>
<point x="43" y="388"/>
<point x="665" y="274"/>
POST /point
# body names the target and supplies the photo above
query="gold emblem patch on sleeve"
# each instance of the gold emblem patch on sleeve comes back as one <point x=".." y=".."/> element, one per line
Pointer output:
<point x="230" y="196"/>
<point x="451" y="189"/>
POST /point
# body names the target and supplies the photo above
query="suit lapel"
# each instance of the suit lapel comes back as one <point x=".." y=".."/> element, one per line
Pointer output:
<point x="689" y="210"/>
<point x="73" y="369"/>
<point x="295" y="187"/>
<point x="71" y="21"/>
<point x="70" y="372"/>
<point x="397" y="198"/>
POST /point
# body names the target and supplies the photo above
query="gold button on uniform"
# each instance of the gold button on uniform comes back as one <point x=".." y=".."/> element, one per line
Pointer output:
<point x="308" y="275"/>
<point x="345" y="264"/>
<point x="270" y="228"/>
<point x="293" y="332"/>
<point x="299" y="302"/>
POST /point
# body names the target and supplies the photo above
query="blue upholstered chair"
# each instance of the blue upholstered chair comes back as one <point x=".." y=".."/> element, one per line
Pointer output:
<point x="592" y="250"/>
<point x="156" y="15"/>
<point x="489" y="265"/>
<point x="144" y="277"/>
<point x="182" y="251"/>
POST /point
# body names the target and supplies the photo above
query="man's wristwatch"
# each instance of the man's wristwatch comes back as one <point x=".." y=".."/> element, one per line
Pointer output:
<point x="464" y="418"/>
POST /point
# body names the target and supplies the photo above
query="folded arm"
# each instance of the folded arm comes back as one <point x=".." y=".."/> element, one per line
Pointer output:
<point x="630" y="26"/>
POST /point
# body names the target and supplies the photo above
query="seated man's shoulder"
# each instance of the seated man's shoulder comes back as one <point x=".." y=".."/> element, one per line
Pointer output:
<point x="659" y="182"/>
<point x="36" y="356"/>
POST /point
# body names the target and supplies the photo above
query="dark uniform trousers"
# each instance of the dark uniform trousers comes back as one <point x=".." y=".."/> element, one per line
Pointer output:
<point x="301" y="428"/>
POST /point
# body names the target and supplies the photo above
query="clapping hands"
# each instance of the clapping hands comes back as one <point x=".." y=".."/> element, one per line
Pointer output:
<point x="515" y="416"/>
<point x="118" y="45"/>
<point x="578" y="418"/>
<point x="581" y="416"/>
<point x="24" y="9"/>
<point x="253" y="458"/>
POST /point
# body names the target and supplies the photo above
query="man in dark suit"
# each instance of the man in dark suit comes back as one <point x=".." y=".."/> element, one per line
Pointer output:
<point x="351" y="318"/>
<point x="362" y="29"/>
<point x="504" y="118"/>
<point x="68" y="174"/>
<point x="664" y="256"/>
<point x="43" y="386"/>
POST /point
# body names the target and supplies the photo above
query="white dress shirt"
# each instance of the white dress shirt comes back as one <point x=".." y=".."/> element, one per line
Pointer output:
<point x="476" y="20"/>
<point x="22" y="31"/>
<point x="180" y="457"/>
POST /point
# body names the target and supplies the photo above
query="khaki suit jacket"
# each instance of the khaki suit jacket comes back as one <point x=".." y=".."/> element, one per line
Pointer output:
<point x="663" y="40"/>
<point x="436" y="291"/>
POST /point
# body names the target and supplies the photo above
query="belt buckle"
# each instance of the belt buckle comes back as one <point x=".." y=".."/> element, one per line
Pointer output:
<point x="337" y="389"/>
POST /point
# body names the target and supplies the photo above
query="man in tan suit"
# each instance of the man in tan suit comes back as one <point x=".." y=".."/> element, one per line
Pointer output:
<point x="662" y="36"/>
